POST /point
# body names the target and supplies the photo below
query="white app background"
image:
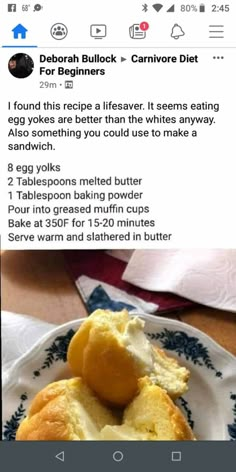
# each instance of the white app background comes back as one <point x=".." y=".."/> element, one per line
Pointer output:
<point x="188" y="183"/>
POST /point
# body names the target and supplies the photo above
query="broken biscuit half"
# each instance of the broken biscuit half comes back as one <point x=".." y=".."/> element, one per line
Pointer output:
<point x="111" y="352"/>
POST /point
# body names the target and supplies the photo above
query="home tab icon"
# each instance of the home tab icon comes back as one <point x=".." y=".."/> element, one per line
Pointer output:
<point x="19" y="32"/>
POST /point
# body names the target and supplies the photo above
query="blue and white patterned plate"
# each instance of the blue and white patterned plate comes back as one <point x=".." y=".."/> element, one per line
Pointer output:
<point x="209" y="405"/>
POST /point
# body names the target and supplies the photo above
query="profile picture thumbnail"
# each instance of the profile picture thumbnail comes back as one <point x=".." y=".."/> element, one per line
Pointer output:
<point x="21" y="65"/>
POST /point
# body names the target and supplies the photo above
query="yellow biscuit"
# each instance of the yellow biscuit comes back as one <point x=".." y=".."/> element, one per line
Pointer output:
<point x="111" y="352"/>
<point x="152" y="416"/>
<point x="65" y="411"/>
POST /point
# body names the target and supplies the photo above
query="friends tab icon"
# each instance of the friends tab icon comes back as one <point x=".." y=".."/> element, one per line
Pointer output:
<point x="59" y="31"/>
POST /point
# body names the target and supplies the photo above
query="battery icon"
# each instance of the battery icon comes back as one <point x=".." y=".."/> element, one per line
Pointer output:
<point x="202" y="8"/>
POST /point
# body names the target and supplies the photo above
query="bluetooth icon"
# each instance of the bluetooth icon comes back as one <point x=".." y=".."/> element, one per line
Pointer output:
<point x="145" y="7"/>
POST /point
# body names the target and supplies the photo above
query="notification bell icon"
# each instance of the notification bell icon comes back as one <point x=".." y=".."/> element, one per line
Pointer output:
<point x="177" y="31"/>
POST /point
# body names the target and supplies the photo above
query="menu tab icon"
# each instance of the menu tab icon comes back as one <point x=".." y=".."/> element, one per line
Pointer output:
<point x="216" y="31"/>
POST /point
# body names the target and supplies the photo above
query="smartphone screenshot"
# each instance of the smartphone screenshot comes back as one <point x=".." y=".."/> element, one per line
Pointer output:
<point x="118" y="235"/>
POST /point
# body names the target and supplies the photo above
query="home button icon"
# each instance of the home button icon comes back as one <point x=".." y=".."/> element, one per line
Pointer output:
<point x="118" y="456"/>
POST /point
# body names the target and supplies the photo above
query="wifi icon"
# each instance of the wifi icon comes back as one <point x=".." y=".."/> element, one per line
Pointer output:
<point x="157" y="7"/>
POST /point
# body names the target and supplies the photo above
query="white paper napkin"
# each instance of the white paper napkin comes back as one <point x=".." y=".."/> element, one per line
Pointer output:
<point x="206" y="276"/>
<point x="19" y="333"/>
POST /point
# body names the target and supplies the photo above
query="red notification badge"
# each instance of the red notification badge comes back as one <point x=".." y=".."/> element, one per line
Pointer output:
<point x="144" y="26"/>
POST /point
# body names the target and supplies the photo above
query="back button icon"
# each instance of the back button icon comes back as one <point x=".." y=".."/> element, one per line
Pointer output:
<point x="60" y="456"/>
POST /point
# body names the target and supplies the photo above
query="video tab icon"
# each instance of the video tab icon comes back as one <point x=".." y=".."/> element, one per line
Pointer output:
<point x="98" y="31"/>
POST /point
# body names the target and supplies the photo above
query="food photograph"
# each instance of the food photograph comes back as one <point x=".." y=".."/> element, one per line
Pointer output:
<point x="119" y="345"/>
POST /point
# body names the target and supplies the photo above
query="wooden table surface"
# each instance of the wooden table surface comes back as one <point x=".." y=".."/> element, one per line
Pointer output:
<point x="37" y="283"/>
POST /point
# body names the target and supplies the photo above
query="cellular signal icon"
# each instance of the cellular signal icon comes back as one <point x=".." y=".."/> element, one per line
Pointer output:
<point x="171" y="9"/>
